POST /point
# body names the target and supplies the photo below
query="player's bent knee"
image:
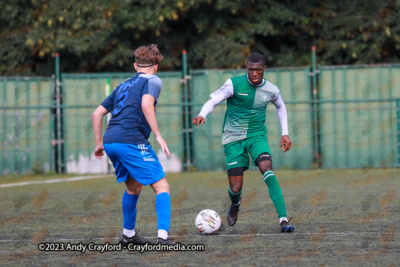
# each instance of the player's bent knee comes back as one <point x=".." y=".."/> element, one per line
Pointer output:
<point x="161" y="186"/>
<point x="235" y="188"/>
<point x="134" y="191"/>
<point x="265" y="166"/>
<point x="235" y="183"/>
<point x="133" y="187"/>
<point x="264" y="157"/>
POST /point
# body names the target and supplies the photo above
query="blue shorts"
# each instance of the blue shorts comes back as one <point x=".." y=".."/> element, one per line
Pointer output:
<point x="138" y="161"/>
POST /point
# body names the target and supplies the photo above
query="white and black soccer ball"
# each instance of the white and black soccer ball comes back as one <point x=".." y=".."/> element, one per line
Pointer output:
<point x="208" y="222"/>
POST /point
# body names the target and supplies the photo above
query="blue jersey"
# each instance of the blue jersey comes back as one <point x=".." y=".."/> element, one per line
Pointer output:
<point x="128" y="124"/>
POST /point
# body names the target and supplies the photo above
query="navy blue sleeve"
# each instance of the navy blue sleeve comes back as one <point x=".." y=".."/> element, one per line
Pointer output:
<point x="153" y="87"/>
<point x="108" y="103"/>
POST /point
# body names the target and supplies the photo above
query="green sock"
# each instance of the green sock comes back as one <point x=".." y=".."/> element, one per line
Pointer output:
<point x="275" y="193"/>
<point x="235" y="197"/>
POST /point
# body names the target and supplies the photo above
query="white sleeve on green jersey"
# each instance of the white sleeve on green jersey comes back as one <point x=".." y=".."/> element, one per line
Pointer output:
<point x="217" y="97"/>
<point x="282" y="115"/>
<point x="207" y="108"/>
<point x="223" y="93"/>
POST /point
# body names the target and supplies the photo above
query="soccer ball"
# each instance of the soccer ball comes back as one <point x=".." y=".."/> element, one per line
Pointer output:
<point x="208" y="222"/>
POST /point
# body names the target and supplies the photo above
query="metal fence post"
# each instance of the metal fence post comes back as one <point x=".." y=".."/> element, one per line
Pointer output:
<point x="192" y="148"/>
<point x="398" y="130"/>
<point x="58" y="116"/>
<point x="315" y="115"/>
<point x="4" y="144"/>
<point x="108" y="91"/>
<point x="186" y="124"/>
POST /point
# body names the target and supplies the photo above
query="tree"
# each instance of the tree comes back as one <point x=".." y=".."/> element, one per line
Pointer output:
<point x="97" y="36"/>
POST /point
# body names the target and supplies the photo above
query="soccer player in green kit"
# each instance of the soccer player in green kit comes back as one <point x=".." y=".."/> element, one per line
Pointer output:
<point x="244" y="132"/>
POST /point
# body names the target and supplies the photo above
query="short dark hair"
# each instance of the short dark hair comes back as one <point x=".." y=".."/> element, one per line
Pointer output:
<point x="256" y="58"/>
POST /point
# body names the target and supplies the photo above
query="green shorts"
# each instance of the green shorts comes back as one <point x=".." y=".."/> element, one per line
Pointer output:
<point x="237" y="153"/>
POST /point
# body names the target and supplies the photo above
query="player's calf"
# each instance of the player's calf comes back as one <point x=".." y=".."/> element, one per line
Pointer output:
<point x="233" y="211"/>
<point x="275" y="193"/>
<point x="235" y="176"/>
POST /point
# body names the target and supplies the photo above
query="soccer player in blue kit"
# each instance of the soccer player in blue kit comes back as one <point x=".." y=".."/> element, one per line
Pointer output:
<point x="132" y="105"/>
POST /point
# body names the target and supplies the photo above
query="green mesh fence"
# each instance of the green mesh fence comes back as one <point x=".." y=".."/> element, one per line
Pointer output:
<point x="359" y="117"/>
<point x="354" y="123"/>
<point x="26" y="133"/>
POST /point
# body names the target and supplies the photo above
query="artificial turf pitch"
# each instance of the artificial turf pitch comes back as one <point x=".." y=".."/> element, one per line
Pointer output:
<point x="341" y="217"/>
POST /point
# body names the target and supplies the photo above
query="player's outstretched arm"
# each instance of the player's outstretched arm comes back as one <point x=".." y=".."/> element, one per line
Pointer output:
<point x="217" y="97"/>
<point x="150" y="115"/>
<point x="286" y="143"/>
<point x="97" y="120"/>
<point x="205" y="110"/>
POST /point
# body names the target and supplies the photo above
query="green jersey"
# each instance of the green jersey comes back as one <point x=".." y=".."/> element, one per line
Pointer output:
<point x="246" y="110"/>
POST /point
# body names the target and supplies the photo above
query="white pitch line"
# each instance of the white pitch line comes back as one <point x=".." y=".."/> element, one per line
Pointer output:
<point x="56" y="180"/>
<point x="288" y="234"/>
<point x="203" y="236"/>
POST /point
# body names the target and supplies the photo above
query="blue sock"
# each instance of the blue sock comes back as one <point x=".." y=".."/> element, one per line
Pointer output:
<point x="163" y="208"/>
<point x="129" y="210"/>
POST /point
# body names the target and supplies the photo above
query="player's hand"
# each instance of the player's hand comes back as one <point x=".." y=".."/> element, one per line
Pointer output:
<point x="163" y="145"/>
<point x="98" y="151"/>
<point x="198" y="120"/>
<point x="286" y="144"/>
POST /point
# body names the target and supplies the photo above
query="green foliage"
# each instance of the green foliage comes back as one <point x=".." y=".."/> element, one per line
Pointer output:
<point x="93" y="36"/>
